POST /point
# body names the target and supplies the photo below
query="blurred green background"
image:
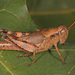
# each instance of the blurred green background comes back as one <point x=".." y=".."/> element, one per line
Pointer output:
<point x="18" y="15"/>
<point x="53" y="13"/>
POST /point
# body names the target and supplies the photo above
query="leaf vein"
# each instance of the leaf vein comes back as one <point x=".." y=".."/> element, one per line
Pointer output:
<point x="11" y="13"/>
<point x="7" y="67"/>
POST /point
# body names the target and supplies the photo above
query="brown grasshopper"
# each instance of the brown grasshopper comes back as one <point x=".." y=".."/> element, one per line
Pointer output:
<point x="35" y="42"/>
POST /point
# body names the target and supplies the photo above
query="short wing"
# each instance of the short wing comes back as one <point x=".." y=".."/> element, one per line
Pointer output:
<point x="22" y="44"/>
<point x="34" y="38"/>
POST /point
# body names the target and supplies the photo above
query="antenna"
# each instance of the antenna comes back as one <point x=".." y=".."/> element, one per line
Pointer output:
<point x="70" y="27"/>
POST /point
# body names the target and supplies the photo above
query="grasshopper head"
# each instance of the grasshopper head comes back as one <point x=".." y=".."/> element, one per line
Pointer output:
<point x="63" y="33"/>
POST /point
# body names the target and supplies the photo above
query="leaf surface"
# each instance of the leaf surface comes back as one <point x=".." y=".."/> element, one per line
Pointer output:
<point x="14" y="16"/>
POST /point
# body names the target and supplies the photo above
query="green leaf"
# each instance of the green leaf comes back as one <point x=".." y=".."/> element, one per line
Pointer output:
<point x="14" y="16"/>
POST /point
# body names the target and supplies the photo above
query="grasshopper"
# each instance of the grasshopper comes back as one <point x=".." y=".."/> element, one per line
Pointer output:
<point x="38" y="41"/>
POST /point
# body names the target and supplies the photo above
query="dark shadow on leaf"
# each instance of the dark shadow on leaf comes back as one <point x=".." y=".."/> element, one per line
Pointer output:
<point x="40" y="56"/>
<point x="37" y="58"/>
<point x="53" y="55"/>
<point x="30" y="58"/>
<point x="67" y="53"/>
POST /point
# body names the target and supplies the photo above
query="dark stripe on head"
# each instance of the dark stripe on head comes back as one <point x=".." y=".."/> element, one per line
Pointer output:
<point x="53" y="35"/>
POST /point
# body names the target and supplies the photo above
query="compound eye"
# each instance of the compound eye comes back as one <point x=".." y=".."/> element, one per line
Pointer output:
<point x="63" y="31"/>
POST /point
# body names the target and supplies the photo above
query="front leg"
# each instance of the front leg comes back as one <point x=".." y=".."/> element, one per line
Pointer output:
<point x="59" y="53"/>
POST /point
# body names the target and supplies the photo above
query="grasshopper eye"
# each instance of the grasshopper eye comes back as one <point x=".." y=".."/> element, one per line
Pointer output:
<point x="63" y="31"/>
